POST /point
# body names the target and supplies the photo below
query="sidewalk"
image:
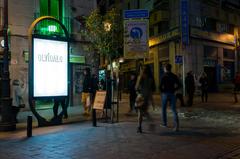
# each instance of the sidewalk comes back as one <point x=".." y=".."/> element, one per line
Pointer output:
<point x="222" y="103"/>
<point x="207" y="131"/>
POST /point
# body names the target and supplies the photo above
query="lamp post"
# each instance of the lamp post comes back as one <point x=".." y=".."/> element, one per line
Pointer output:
<point x="7" y="123"/>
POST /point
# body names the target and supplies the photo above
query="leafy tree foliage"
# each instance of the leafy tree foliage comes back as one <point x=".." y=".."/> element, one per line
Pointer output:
<point x="105" y="32"/>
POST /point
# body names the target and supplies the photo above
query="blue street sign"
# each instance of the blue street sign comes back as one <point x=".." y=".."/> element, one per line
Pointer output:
<point x="136" y="13"/>
<point x="178" y="59"/>
<point x="185" y="21"/>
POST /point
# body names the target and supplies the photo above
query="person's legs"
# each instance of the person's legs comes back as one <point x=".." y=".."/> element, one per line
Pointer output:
<point x="181" y="100"/>
<point x="191" y="99"/>
<point x="206" y="95"/>
<point x="64" y="108"/>
<point x="55" y="108"/>
<point x="203" y="93"/>
<point x="88" y="103"/>
<point x="188" y="99"/>
<point x="132" y="102"/>
<point x="175" y="114"/>
<point x="152" y="101"/>
<point x="180" y="97"/>
<point x="235" y="94"/>
<point x="84" y="99"/>
<point x="164" y="108"/>
<point x="140" y="119"/>
<point x="15" y="111"/>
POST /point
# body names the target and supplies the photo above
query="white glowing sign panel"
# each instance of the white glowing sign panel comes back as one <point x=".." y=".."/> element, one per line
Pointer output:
<point x="50" y="68"/>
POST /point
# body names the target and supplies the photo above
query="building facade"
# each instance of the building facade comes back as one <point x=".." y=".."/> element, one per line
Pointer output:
<point x="23" y="13"/>
<point x="194" y="35"/>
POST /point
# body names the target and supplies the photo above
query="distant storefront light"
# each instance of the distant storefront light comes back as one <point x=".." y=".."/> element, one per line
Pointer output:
<point x="2" y="43"/>
<point x="52" y="28"/>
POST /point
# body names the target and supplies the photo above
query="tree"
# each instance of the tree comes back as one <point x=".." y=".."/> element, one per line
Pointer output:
<point x="105" y="33"/>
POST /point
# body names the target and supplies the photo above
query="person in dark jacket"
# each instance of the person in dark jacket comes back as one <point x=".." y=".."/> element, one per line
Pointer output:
<point x="190" y="87"/>
<point x="87" y="87"/>
<point x="204" y="86"/>
<point x="132" y="92"/>
<point x="169" y="84"/>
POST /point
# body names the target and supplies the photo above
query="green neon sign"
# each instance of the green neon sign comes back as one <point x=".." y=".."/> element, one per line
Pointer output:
<point x="77" y="59"/>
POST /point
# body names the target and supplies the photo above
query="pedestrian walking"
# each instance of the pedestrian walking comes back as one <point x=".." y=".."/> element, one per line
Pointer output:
<point x="87" y="84"/>
<point x="236" y="82"/>
<point x="145" y="87"/>
<point x="204" y="86"/>
<point x="168" y="86"/>
<point x="190" y="87"/>
<point x="132" y="92"/>
<point x="17" y="98"/>
<point x="179" y="92"/>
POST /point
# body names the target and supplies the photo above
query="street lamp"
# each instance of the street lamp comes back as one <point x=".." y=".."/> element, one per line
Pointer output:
<point x="107" y="26"/>
<point x="7" y="123"/>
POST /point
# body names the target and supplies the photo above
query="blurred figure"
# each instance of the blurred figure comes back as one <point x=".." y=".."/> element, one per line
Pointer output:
<point x="57" y="102"/>
<point x="17" y="97"/>
<point x="86" y="91"/>
<point x="103" y="84"/>
<point x="179" y="92"/>
<point x="108" y="102"/>
<point x="132" y="92"/>
<point x="190" y="87"/>
<point x="94" y="86"/>
<point x="169" y="84"/>
<point x="236" y="82"/>
<point x="204" y="86"/>
<point x="145" y="87"/>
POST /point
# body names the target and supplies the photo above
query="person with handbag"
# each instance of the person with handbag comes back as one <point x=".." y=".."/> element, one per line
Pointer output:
<point x="17" y="98"/>
<point x="144" y="87"/>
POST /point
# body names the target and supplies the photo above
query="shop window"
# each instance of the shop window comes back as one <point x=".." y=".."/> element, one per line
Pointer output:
<point x="163" y="52"/>
<point x="228" y="54"/>
<point x="210" y="52"/>
<point x="151" y="31"/>
<point x="228" y="71"/>
<point x="163" y="27"/>
<point x="210" y="24"/>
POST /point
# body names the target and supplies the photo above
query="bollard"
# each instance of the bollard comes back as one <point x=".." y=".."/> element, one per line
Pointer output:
<point x="94" y="118"/>
<point x="29" y="126"/>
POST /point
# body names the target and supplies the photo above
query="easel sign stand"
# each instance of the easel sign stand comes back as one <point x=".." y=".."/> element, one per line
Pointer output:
<point x="98" y="104"/>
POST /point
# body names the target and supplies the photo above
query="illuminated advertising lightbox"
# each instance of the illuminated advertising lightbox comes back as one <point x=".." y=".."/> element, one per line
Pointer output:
<point x="50" y="68"/>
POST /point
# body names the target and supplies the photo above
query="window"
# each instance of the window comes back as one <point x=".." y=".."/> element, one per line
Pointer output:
<point x="210" y="24"/>
<point x="129" y="6"/>
<point x="163" y="26"/>
<point x="151" y="31"/>
<point x="228" y="54"/>
<point x="210" y="52"/>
